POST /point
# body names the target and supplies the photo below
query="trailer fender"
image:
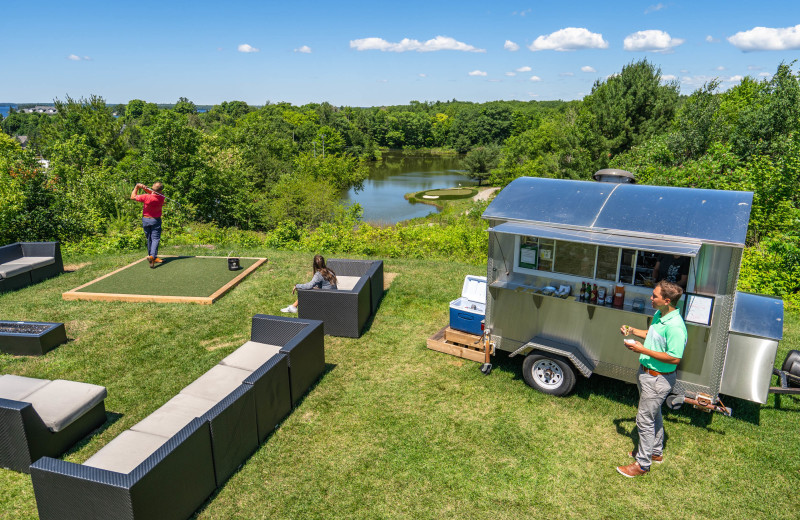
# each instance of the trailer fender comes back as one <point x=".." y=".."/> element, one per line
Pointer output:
<point x="573" y="353"/>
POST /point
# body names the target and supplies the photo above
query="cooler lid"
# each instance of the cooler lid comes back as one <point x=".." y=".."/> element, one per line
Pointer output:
<point x="474" y="288"/>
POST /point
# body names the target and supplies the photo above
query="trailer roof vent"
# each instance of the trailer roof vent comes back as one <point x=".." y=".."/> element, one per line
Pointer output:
<point x="615" y="176"/>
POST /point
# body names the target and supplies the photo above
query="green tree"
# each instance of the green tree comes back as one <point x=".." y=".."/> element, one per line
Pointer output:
<point x="480" y="161"/>
<point x="184" y="106"/>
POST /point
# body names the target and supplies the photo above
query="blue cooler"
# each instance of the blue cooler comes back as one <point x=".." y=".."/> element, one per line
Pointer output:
<point x="467" y="312"/>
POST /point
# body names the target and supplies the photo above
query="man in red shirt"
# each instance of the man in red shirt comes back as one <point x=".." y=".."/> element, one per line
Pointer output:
<point x="153" y="200"/>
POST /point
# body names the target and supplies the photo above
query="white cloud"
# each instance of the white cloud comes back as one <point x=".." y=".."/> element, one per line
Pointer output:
<point x="569" y="39"/>
<point x="422" y="75"/>
<point x="659" y="6"/>
<point x="753" y="67"/>
<point x="735" y="79"/>
<point x="478" y="73"/>
<point x="511" y="73"/>
<point x="567" y="74"/>
<point x="669" y="77"/>
<point x="587" y="68"/>
<point x="536" y="78"/>
<point x="87" y="58"/>
<point x="720" y="68"/>
<point x="533" y="94"/>
<point x="494" y="80"/>
<point x="246" y="48"/>
<point x="764" y="75"/>
<point x="440" y="43"/>
<point x="305" y="49"/>
<point x="711" y="39"/>
<point x="767" y="39"/>
<point x="510" y="46"/>
<point x="74" y="57"/>
<point x="524" y="69"/>
<point x="522" y="13"/>
<point x="651" y="40"/>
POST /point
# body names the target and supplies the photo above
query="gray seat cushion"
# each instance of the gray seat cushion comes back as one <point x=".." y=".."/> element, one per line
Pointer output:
<point x="346" y="283"/>
<point x="250" y="356"/>
<point x="217" y="383"/>
<point x="10" y="269"/>
<point x="61" y="402"/>
<point x="126" y="451"/>
<point x="17" y="388"/>
<point x="173" y="415"/>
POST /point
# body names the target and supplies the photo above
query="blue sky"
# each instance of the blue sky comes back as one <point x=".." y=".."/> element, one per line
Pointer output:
<point x="378" y="53"/>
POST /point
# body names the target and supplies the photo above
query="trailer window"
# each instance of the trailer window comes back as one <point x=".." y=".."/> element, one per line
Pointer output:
<point x="575" y="258"/>
<point x="607" y="262"/>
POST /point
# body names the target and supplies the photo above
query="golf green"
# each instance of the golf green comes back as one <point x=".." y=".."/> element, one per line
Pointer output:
<point x="189" y="276"/>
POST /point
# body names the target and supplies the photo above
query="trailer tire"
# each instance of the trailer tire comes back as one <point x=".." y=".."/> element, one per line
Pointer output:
<point x="548" y="373"/>
<point x="792" y="363"/>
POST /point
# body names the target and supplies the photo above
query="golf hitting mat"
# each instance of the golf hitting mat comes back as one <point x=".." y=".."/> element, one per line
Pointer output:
<point x="177" y="279"/>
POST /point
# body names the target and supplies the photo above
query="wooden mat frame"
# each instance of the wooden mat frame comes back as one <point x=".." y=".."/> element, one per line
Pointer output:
<point x="202" y="300"/>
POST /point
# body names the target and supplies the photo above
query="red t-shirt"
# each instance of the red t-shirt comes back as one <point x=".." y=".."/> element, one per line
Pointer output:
<point x="152" y="204"/>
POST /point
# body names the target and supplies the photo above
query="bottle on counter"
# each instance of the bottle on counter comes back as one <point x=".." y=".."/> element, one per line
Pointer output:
<point x="619" y="296"/>
<point x="594" y="294"/>
<point x="583" y="291"/>
<point x="601" y="295"/>
<point x="588" y="296"/>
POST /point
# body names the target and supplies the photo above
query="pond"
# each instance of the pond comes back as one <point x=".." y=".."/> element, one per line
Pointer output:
<point x="397" y="174"/>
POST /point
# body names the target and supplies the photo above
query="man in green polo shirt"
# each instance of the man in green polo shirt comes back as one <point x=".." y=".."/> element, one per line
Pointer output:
<point x="663" y="348"/>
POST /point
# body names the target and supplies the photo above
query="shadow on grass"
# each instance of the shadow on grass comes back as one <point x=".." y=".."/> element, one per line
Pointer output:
<point x="329" y="367"/>
<point x="111" y="418"/>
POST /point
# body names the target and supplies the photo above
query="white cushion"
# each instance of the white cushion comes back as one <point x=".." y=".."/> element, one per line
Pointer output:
<point x="9" y="269"/>
<point x="17" y="388"/>
<point x="126" y="451"/>
<point x="346" y="283"/>
<point x="61" y="402"/>
<point x="34" y="261"/>
<point x="217" y="383"/>
<point x="173" y="415"/>
<point x="250" y="356"/>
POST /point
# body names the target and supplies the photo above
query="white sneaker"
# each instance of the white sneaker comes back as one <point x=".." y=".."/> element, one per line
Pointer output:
<point x="290" y="309"/>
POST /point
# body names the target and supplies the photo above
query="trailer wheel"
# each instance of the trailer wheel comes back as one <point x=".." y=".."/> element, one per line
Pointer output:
<point x="548" y="373"/>
<point x="792" y="363"/>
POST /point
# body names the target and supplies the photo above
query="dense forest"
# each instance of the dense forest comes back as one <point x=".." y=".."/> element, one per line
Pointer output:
<point x="279" y="168"/>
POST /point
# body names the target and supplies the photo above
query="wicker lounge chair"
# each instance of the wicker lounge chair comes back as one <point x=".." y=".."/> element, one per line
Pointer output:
<point x="40" y="418"/>
<point x="344" y="311"/>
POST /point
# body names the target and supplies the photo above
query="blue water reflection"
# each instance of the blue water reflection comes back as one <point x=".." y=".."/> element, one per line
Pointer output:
<point x="397" y="174"/>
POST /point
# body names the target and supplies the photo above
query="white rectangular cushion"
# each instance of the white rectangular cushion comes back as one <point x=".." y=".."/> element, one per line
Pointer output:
<point x="346" y="283"/>
<point x="250" y="356"/>
<point x="173" y="415"/>
<point x="61" y="402"/>
<point x="126" y="451"/>
<point x="17" y="388"/>
<point x="24" y="264"/>
<point x="217" y="383"/>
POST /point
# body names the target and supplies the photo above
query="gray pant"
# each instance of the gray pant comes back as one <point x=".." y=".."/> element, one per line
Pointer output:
<point x="653" y="390"/>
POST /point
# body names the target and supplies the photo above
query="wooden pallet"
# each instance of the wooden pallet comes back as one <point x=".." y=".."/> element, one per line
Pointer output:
<point x="459" y="344"/>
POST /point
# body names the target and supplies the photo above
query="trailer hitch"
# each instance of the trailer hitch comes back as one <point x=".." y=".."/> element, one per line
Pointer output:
<point x="702" y="402"/>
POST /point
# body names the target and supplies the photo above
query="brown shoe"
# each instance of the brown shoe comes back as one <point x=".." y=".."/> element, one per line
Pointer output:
<point x="151" y="260"/>
<point x="658" y="459"/>
<point x="631" y="470"/>
<point x="157" y="260"/>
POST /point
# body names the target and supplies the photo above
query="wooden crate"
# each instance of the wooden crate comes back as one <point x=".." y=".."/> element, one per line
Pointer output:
<point x="459" y="344"/>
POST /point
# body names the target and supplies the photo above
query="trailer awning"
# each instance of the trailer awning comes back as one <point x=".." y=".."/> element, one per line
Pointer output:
<point x="601" y="239"/>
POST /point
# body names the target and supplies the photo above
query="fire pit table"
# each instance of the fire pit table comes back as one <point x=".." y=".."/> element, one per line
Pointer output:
<point x="30" y="338"/>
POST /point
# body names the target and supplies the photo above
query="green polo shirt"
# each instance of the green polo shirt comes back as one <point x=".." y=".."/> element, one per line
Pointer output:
<point x="666" y="334"/>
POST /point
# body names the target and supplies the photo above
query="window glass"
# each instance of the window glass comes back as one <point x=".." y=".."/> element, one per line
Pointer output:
<point x="547" y="251"/>
<point x="607" y="258"/>
<point x="528" y="253"/>
<point x="576" y="259"/>
<point x="645" y="262"/>
<point x="626" y="264"/>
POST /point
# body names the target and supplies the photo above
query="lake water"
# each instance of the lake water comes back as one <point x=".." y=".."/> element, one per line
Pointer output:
<point x="4" y="109"/>
<point x="397" y="174"/>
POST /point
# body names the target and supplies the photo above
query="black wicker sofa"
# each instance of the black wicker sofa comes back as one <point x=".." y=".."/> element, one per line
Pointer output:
<point x="39" y="417"/>
<point x="24" y="263"/>
<point x="346" y="310"/>
<point x="167" y="465"/>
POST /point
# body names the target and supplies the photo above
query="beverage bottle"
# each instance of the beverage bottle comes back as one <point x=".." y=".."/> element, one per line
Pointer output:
<point x="594" y="293"/>
<point x="583" y="291"/>
<point x="588" y="292"/>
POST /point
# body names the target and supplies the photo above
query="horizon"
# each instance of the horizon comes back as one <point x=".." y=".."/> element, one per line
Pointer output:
<point x="365" y="55"/>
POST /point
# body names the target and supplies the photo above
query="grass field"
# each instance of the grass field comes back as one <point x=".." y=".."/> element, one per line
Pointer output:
<point x="176" y="276"/>
<point x="394" y="430"/>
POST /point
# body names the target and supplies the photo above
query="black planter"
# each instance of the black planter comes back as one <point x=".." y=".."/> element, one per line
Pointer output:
<point x="30" y="338"/>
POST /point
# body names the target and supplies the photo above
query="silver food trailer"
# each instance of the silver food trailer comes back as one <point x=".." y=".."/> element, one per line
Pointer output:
<point x="550" y="237"/>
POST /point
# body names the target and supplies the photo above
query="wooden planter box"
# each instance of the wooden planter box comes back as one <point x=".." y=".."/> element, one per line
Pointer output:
<point x="30" y="338"/>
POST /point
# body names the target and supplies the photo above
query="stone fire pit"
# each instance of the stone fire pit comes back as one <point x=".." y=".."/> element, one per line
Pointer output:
<point x="30" y="338"/>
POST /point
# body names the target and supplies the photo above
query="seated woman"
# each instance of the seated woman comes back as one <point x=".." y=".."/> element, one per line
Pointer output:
<point x="323" y="278"/>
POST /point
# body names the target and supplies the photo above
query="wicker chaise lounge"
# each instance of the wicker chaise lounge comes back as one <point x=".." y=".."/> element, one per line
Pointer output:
<point x="166" y="465"/>
<point x="345" y="310"/>
<point x="40" y="418"/>
<point x="24" y="263"/>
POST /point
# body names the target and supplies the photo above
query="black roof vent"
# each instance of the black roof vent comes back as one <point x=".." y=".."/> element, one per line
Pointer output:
<point x="615" y="176"/>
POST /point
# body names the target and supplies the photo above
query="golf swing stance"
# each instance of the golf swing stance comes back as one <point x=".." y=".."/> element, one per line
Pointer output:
<point x="152" y="201"/>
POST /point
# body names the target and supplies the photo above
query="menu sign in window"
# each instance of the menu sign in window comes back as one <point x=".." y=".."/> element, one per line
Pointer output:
<point x="528" y="256"/>
<point x="697" y="309"/>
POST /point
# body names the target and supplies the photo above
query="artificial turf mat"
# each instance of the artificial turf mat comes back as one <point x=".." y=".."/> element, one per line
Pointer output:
<point x="176" y="276"/>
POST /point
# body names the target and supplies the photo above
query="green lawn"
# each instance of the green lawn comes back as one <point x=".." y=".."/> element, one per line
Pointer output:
<point x="394" y="430"/>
